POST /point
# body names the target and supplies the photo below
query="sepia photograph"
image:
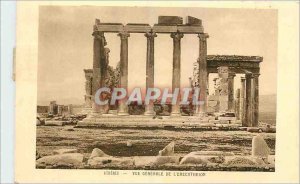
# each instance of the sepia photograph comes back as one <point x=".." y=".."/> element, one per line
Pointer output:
<point x="140" y="88"/>
<point x="156" y="92"/>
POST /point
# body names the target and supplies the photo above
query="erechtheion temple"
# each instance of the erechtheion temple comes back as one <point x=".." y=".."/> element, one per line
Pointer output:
<point x="243" y="103"/>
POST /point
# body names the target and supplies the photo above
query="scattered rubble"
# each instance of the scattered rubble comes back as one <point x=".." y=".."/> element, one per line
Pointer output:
<point x="167" y="159"/>
<point x="51" y="120"/>
<point x="168" y="150"/>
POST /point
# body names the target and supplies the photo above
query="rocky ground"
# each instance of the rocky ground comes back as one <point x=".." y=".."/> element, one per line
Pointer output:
<point x="144" y="142"/>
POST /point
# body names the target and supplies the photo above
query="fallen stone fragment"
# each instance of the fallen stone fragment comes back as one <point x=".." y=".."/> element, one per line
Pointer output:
<point x="259" y="147"/>
<point x="111" y="161"/>
<point x="193" y="160"/>
<point x="162" y="160"/>
<point x="254" y="129"/>
<point x="168" y="150"/>
<point x="74" y="159"/>
<point x="98" y="153"/>
<point x="63" y="151"/>
<point x="54" y="123"/>
<point x="212" y="153"/>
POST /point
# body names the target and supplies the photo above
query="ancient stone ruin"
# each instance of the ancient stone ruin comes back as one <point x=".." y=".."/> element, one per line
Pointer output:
<point x="242" y="107"/>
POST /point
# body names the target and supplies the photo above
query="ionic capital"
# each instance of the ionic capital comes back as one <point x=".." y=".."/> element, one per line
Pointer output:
<point x="203" y="36"/>
<point x="98" y="35"/>
<point x="255" y="75"/>
<point x="249" y="75"/>
<point x="177" y="36"/>
<point x="124" y="35"/>
<point x="150" y="35"/>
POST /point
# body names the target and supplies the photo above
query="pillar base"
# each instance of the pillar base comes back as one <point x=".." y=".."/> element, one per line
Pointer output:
<point x="123" y="114"/>
<point x="175" y="114"/>
<point x="149" y="113"/>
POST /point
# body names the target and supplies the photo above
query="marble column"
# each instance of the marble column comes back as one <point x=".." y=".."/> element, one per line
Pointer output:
<point x="201" y="109"/>
<point x="150" y="70"/>
<point x="176" y="70"/>
<point x="255" y="100"/>
<point x="98" y="59"/>
<point x="237" y="103"/>
<point x="59" y="110"/>
<point x="52" y="107"/>
<point x="123" y="108"/>
<point x="248" y="102"/>
<point x="242" y="101"/>
<point x="231" y="91"/>
<point x="88" y="89"/>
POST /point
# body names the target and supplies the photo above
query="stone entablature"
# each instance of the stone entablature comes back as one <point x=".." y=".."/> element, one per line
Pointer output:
<point x="166" y="24"/>
<point x="237" y="64"/>
<point x="245" y="104"/>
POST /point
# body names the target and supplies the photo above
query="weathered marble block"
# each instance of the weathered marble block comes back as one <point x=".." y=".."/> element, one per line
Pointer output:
<point x="259" y="147"/>
<point x="171" y="20"/>
<point x="193" y="21"/>
<point x="168" y="150"/>
<point x="74" y="159"/>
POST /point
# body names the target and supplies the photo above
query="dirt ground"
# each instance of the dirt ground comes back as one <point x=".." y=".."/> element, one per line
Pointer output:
<point x="144" y="142"/>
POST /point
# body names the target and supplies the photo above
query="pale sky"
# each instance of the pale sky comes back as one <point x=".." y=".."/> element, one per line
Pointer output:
<point x="66" y="45"/>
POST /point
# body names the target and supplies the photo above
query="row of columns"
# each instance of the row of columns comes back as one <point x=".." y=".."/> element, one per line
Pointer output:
<point x="249" y="100"/>
<point x="247" y="108"/>
<point x="149" y="110"/>
<point x="203" y="75"/>
<point x="98" y="70"/>
<point x="249" y="85"/>
<point x="99" y="43"/>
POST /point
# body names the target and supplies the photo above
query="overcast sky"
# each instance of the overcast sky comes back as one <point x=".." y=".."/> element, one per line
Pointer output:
<point x="66" y="45"/>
